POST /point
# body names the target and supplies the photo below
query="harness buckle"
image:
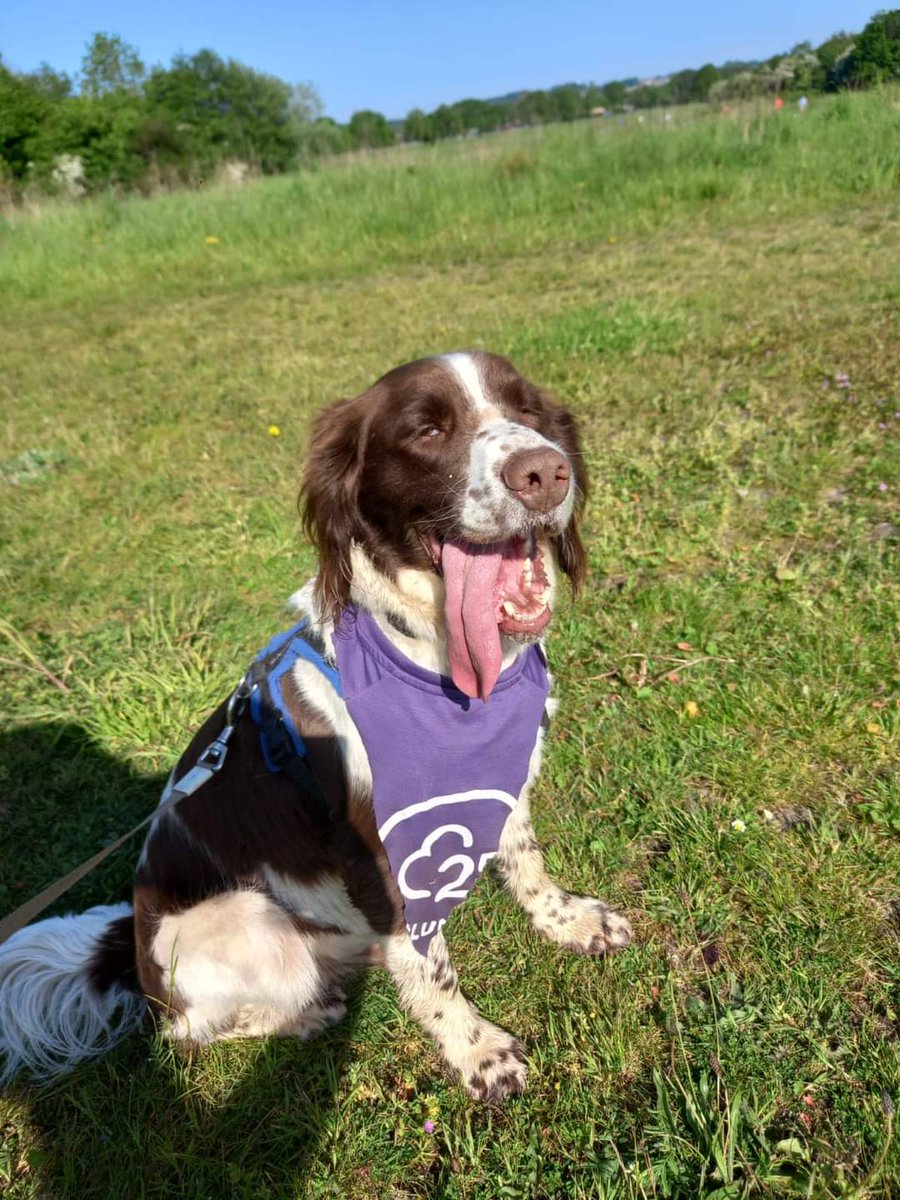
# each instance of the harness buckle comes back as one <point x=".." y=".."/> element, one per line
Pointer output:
<point x="213" y="757"/>
<point x="238" y="702"/>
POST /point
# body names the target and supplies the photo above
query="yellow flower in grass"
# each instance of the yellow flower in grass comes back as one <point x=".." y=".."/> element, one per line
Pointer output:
<point x="738" y="825"/>
<point x="275" y="431"/>
<point x="211" y="240"/>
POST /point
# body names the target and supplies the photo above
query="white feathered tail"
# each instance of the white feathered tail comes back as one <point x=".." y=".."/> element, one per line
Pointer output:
<point x="52" y="1015"/>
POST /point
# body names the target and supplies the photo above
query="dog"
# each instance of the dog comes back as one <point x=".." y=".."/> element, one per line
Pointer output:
<point x="373" y="762"/>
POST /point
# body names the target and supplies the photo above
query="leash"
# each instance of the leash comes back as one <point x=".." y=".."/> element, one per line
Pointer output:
<point x="208" y="764"/>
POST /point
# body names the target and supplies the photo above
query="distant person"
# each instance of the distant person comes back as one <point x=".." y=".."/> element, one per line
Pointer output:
<point x="779" y="102"/>
<point x="802" y="103"/>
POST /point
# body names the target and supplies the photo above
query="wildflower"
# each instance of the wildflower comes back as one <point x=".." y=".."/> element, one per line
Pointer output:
<point x="738" y="825"/>
<point x="428" y="1126"/>
<point x="841" y="380"/>
<point x="882" y="487"/>
<point x="211" y="240"/>
<point x="275" y="431"/>
<point x="692" y="709"/>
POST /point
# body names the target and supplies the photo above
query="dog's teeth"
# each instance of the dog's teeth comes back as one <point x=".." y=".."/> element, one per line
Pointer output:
<point x="527" y="572"/>
<point x="509" y="608"/>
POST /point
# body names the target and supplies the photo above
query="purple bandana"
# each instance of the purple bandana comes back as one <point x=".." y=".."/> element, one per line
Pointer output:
<point x="446" y="770"/>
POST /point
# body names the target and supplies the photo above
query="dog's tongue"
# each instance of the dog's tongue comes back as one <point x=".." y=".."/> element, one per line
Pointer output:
<point x="470" y="582"/>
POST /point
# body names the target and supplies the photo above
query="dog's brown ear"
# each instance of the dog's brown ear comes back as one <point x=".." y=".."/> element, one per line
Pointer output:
<point x="570" y="552"/>
<point x="328" y="497"/>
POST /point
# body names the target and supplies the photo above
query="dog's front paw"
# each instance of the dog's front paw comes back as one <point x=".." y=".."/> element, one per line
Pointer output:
<point x="493" y="1065"/>
<point x="581" y="924"/>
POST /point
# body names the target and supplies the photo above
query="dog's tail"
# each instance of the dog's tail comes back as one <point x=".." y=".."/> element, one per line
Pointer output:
<point x="68" y="991"/>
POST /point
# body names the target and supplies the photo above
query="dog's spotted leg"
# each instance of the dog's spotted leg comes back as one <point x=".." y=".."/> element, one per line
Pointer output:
<point x="490" y="1061"/>
<point x="578" y="923"/>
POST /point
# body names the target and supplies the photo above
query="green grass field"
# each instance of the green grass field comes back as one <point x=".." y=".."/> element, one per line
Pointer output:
<point x="719" y="302"/>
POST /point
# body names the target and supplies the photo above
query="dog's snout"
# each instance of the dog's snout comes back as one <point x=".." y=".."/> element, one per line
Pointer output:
<point x="538" y="477"/>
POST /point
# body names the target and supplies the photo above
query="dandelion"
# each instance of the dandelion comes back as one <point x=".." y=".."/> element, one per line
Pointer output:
<point x="738" y="825"/>
<point x="692" y="709"/>
<point x="211" y="240"/>
<point x="274" y="431"/>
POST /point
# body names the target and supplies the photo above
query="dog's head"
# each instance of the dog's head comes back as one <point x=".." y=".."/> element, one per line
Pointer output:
<point x="458" y="466"/>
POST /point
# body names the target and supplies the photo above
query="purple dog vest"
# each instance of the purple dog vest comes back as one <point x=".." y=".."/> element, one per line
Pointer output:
<point x="446" y="770"/>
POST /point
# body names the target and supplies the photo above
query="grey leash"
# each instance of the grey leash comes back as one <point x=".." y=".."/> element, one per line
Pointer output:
<point x="207" y="765"/>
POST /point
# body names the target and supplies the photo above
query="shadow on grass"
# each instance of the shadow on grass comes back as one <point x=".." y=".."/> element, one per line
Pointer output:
<point x="242" y="1119"/>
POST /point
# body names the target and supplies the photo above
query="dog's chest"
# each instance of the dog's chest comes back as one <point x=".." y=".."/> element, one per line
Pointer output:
<point x="446" y="770"/>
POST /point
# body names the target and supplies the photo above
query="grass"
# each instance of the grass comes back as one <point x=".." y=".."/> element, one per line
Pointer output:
<point x="718" y="303"/>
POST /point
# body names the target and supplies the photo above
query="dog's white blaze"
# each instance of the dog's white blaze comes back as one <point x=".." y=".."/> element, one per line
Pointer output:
<point x="467" y="371"/>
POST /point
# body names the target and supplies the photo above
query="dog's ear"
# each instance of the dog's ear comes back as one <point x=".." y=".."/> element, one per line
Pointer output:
<point x="570" y="553"/>
<point x="328" y="497"/>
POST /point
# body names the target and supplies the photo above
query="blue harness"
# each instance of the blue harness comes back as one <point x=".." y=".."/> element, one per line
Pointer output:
<point x="283" y="747"/>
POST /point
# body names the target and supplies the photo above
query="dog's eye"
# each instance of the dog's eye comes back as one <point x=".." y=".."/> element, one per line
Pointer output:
<point x="429" y="432"/>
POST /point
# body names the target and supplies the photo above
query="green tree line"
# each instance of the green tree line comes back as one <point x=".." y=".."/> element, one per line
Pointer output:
<point x="122" y="124"/>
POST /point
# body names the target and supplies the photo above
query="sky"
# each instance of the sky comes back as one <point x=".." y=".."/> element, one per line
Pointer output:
<point x="395" y="56"/>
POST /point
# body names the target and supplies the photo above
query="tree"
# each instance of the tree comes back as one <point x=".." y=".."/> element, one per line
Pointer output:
<point x="832" y="55"/>
<point x="327" y="137"/>
<point x="615" y="94"/>
<point x="876" y="53"/>
<point x="568" y="102"/>
<point x="417" y="127"/>
<point x="23" y="111"/>
<point x="305" y="103"/>
<point x="55" y="85"/>
<point x="226" y="110"/>
<point x="110" y="65"/>
<point x="703" y="81"/>
<point x="370" y="130"/>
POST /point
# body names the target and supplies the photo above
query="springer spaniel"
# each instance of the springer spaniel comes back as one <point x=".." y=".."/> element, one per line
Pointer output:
<point x="442" y="502"/>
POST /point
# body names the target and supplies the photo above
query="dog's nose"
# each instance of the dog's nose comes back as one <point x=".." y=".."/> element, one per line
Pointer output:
<point x="538" y="477"/>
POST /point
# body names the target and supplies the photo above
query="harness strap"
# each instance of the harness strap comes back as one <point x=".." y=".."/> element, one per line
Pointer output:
<point x="283" y="749"/>
<point x="282" y="745"/>
<point x="209" y="762"/>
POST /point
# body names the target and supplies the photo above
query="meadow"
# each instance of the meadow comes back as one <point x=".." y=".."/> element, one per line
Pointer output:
<point x="719" y="302"/>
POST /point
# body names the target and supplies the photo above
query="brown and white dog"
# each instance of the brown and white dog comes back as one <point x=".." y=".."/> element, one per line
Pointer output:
<point x="251" y="905"/>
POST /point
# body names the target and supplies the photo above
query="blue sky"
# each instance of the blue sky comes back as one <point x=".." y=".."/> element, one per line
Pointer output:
<point x="396" y="56"/>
